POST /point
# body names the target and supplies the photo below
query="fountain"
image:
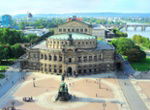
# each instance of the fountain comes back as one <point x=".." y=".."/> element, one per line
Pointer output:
<point x="63" y="94"/>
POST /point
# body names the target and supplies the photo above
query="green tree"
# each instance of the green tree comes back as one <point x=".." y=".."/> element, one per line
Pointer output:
<point x="138" y="39"/>
<point x="4" y="52"/>
<point x="136" y="55"/>
<point x="123" y="45"/>
<point x="30" y="38"/>
<point x="17" y="50"/>
<point x="10" y="36"/>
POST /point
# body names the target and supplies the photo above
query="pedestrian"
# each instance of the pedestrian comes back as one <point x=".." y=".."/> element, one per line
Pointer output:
<point x="96" y="94"/>
<point x="121" y="105"/>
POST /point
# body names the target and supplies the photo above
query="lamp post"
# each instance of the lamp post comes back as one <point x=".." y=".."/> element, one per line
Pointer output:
<point x="99" y="83"/>
<point x="34" y="82"/>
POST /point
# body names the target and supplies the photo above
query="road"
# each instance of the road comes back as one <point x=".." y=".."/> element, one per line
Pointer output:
<point x="12" y="77"/>
<point x="133" y="99"/>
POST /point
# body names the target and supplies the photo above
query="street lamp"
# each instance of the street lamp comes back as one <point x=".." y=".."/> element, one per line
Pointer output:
<point x="34" y="82"/>
<point x="99" y="83"/>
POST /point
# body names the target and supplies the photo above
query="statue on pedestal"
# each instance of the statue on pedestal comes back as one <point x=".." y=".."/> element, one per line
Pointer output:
<point x="63" y="94"/>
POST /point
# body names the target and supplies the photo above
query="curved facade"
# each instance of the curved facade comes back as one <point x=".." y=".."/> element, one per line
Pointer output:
<point x="78" y="41"/>
<point x="71" y="53"/>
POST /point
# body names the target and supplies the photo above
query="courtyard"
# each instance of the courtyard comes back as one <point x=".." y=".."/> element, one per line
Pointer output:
<point x="92" y="92"/>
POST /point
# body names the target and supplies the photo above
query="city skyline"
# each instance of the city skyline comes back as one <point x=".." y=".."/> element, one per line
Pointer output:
<point x="73" y="6"/>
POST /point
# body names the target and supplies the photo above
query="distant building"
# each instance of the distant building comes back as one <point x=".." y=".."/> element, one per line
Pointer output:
<point x="99" y="31"/>
<point x="6" y="21"/>
<point x="38" y="32"/>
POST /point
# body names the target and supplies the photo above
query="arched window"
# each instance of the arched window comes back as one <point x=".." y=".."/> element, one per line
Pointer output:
<point x="41" y="56"/>
<point x="77" y="30"/>
<point x="90" y="70"/>
<point x="64" y="30"/>
<point x="79" y="71"/>
<point x="70" y="60"/>
<point x="60" y="30"/>
<point x="55" y="70"/>
<point x="50" y="57"/>
<point x="95" y="58"/>
<point x="60" y="71"/>
<point x="55" y="58"/>
<point x="60" y="58"/>
<point x="68" y="30"/>
<point x="45" y="57"/>
<point x="85" y="30"/>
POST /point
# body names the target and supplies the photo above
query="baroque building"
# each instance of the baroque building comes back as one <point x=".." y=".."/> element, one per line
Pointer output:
<point x="71" y="50"/>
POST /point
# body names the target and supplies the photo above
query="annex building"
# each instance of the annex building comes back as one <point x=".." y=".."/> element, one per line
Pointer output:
<point x="71" y="50"/>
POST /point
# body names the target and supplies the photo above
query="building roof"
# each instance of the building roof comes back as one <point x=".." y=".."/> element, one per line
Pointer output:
<point x="81" y="22"/>
<point x="75" y="36"/>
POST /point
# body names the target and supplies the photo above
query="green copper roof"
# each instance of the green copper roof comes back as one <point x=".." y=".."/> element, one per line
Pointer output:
<point x="75" y="36"/>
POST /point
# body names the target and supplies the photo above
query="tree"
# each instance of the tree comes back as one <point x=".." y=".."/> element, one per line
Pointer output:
<point x="4" y="52"/>
<point x="10" y="36"/>
<point x="123" y="45"/>
<point x="17" y="50"/>
<point x="136" y="55"/>
<point x="138" y="39"/>
<point x="30" y="38"/>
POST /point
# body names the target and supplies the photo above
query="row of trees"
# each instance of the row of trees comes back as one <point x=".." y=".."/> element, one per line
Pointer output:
<point x="127" y="47"/>
<point x="10" y="43"/>
<point x="10" y="51"/>
<point x="41" y="23"/>
<point x="140" y="40"/>
<point x="11" y="36"/>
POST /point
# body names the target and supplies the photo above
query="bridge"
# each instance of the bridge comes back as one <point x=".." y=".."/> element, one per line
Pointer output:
<point x="126" y="26"/>
<point x="135" y="26"/>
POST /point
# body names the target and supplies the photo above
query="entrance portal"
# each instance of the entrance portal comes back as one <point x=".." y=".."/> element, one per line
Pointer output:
<point x="69" y="71"/>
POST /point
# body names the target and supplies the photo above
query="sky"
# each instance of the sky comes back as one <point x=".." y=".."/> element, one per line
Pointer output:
<point x="72" y="6"/>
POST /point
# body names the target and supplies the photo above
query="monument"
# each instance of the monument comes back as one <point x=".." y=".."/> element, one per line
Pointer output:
<point x="63" y="94"/>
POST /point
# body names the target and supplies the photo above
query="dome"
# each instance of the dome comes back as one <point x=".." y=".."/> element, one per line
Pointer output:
<point x="74" y="36"/>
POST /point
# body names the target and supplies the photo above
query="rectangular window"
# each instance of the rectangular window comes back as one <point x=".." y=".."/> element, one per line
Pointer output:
<point x="70" y="60"/>
<point x="85" y="59"/>
<point x="60" y="30"/>
<point x="95" y="58"/>
<point x="64" y="30"/>
<point x="79" y="59"/>
<point x="85" y="30"/>
<point x="90" y="58"/>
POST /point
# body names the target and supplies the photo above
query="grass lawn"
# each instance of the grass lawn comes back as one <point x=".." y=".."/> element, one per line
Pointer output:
<point x="142" y="66"/>
<point x="2" y="68"/>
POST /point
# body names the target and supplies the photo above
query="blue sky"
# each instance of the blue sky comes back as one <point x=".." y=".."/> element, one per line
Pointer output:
<point x="69" y="6"/>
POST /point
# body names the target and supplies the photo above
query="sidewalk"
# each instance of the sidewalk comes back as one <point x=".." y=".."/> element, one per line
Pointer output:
<point x="12" y="75"/>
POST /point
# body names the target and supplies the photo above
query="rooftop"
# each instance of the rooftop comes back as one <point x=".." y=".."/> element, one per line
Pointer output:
<point x="75" y="36"/>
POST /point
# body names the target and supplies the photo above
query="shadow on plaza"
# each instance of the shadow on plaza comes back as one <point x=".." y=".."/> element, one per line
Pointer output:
<point x="12" y="102"/>
<point x="97" y="100"/>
